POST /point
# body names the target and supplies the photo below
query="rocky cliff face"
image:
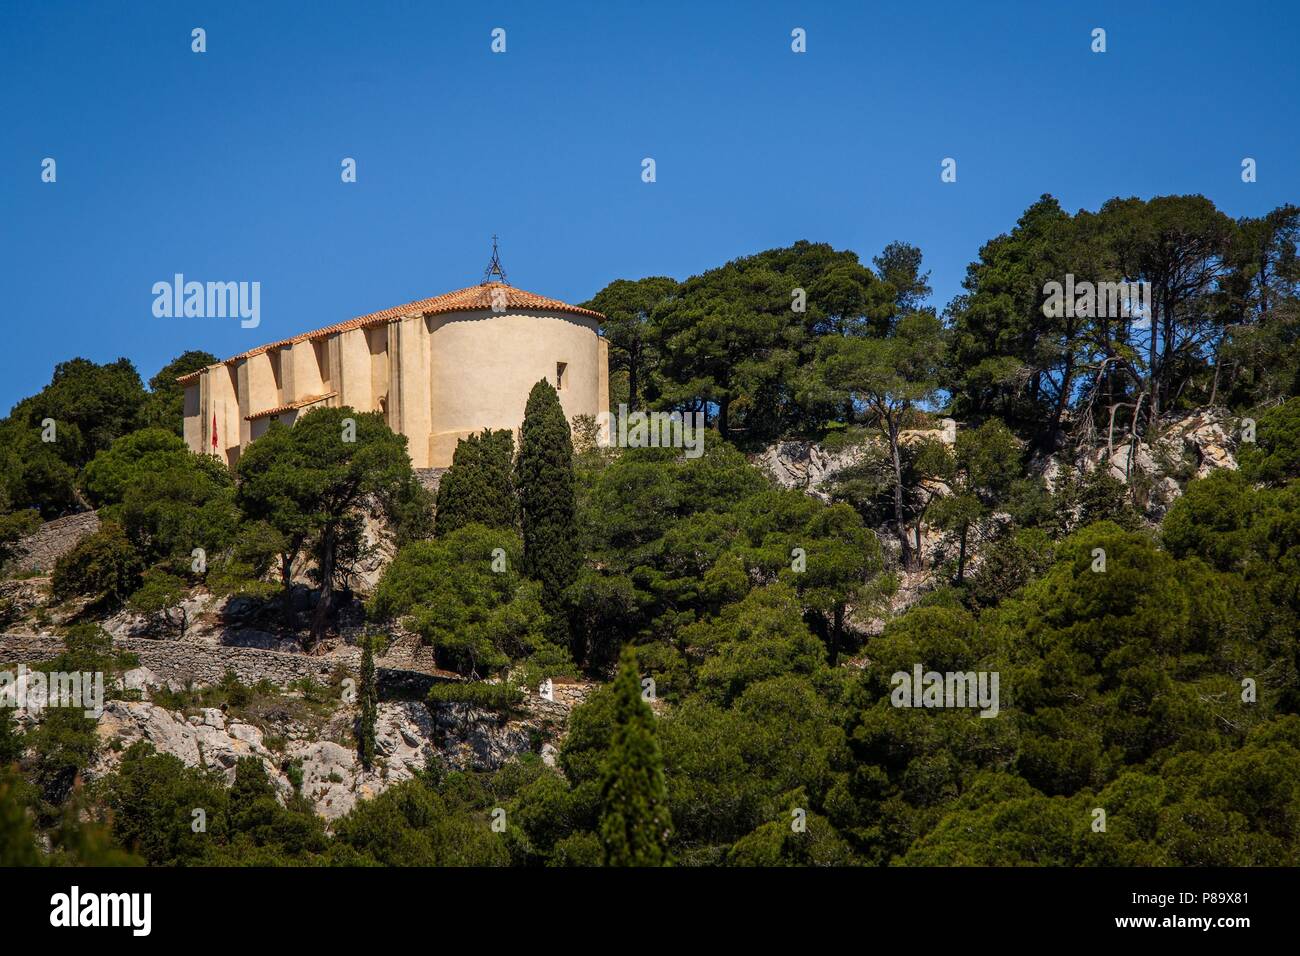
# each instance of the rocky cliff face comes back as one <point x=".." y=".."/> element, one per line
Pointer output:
<point x="1186" y="445"/>
<point x="332" y="777"/>
<point x="1156" y="469"/>
<point x="409" y="737"/>
<point x="805" y="465"/>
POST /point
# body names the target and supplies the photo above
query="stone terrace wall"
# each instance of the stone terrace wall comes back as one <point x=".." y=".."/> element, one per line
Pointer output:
<point x="176" y="660"/>
<point x="183" y="662"/>
<point x="54" y="539"/>
<point x="430" y="478"/>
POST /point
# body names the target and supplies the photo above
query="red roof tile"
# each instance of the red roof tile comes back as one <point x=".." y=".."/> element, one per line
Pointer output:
<point x="290" y="406"/>
<point x="462" y="300"/>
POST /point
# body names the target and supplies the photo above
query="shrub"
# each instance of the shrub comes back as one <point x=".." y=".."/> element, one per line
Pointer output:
<point x="477" y="693"/>
<point x="159" y="597"/>
<point x="102" y="566"/>
<point x="1275" y="457"/>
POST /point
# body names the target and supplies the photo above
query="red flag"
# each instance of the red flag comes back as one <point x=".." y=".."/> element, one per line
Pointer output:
<point x="214" y="432"/>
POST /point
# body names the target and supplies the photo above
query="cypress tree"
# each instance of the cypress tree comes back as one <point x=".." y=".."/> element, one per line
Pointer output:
<point x="11" y="741"/>
<point x="544" y="477"/>
<point x="478" y="488"/>
<point x="368" y="703"/>
<point x="634" y="820"/>
<point x="17" y="842"/>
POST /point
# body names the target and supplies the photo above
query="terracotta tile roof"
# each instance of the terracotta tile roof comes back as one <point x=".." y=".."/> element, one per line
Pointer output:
<point x="291" y="406"/>
<point x="462" y="300"/>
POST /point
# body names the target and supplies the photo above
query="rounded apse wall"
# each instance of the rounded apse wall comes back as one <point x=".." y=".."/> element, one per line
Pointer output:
<point x="483" y="365"/>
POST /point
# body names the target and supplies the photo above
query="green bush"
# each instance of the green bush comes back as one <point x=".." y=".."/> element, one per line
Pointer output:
<point x="1275" y="457"/>
<point x="477" y="693"/>
<point x="102" y="566"/>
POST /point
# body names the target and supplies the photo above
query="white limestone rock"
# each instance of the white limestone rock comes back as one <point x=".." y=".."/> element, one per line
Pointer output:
<point x="404" y="734"/>
<point x="329" y="772"/>
<point x="141" y="679"/>
<point x="550" y="756"/>
<point x="471" y="738"/>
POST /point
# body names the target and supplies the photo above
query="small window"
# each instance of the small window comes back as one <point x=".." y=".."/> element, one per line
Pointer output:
<point x="559" y="376"/>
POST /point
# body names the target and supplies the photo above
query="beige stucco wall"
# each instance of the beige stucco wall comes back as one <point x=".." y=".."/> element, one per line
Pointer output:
<point x="483" y="365"/>
<point x="306" y="374"/>
<point x="223" y="401"/>
<point x="221" y="393"/>
<point x="602" y="386"/>
<point x="438" y="379"/>
<point x="258" y="426"/>
<point x="192" y="428"/>
<point x="377" y="345"/>
<point x="257" y="379"/>
<point x="354" y="384"/>
<point x="409" y="343"/>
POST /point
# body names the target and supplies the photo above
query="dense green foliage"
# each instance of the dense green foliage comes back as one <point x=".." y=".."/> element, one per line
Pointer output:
<point x="165" y="406"/>
<point x="544" y="475"/>
<point x="476" y="618"/>
<point x="102" y="566"/>
<point x="128" y="459"/>
<point x="478" y="488"/>
<point x="634" y="823"/>
<point x="1149" y="670"/>
<point x="310" y="483"/>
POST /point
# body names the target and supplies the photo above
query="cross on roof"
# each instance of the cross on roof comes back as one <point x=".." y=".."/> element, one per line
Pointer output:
<point x="494" y="267"/>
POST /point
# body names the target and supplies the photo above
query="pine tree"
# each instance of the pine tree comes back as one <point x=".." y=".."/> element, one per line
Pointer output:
<point x="368" y="703"/>
<point x="478" y="487"/>
<point x="544" y="477"/>
<point x="634" y="820"/>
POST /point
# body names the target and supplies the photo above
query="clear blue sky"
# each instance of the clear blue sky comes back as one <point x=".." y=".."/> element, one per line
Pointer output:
<point x="225" y="165"/>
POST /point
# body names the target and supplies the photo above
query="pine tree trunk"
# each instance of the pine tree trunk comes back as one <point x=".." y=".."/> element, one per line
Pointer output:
<point x="837" y="628"/>
<point x="961" y="557"/>
<point x="899" y="523"/>
<point x="286" y="592"/>
<point x="324" y="606"/>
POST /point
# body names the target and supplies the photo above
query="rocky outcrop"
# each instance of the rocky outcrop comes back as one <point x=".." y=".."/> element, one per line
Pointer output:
<point x="1212" y="436"/>
<point x="332" y="776"/>
<point x="20" y="598"/>
<point x="471" y="738"/>
<point x="805" y="465"/>
<point x="379" y="548"/>
<point x="808" y="466"/>
<point x="202" y="740"/>
<point x="409" y="736"/>
<point x="1183" y="446"/>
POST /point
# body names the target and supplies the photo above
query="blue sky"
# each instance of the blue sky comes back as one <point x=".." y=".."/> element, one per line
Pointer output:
<point x="225" y="165"/>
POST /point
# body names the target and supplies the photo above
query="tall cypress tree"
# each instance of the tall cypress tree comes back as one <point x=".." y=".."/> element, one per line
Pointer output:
<point x="368" y="703"/>
<point x="634" y="820"/>
<point x="479" y="485"/>
<point x="11" y="740"/>
<point x="544" y="477"/>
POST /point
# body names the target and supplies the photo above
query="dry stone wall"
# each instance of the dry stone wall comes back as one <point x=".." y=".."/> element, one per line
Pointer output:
<point x="184" y="662"/>
<point x="39" y="550"/>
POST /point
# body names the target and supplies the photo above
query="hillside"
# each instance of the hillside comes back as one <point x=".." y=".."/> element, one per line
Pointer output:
<point x="931" y="588"/>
